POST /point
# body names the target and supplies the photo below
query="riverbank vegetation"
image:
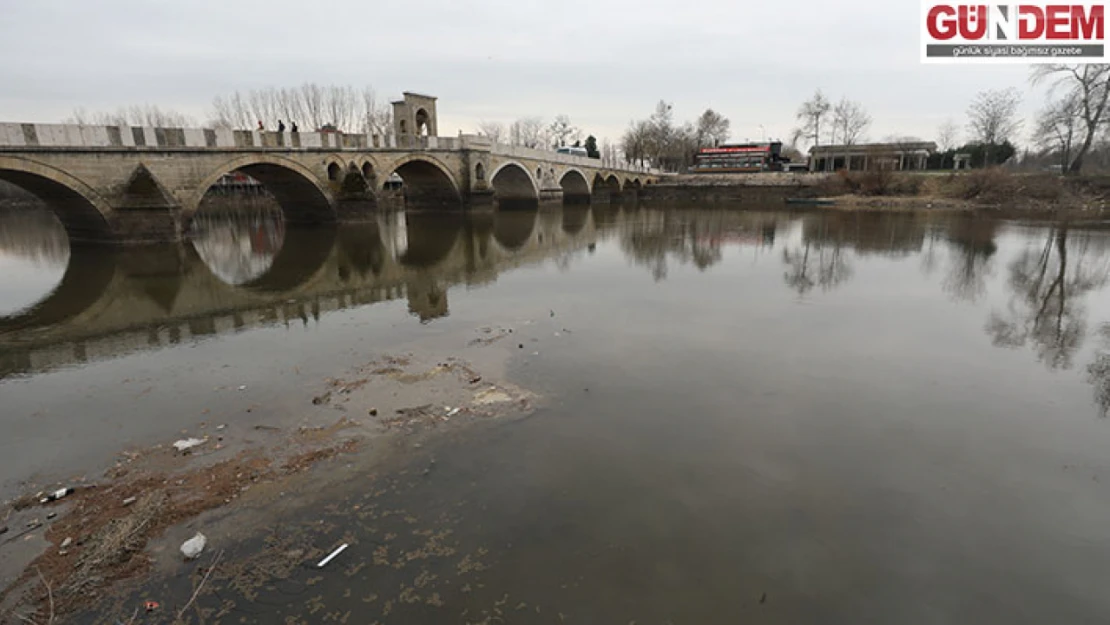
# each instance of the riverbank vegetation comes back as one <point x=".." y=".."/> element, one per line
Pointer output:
<point x="981" y="188"/>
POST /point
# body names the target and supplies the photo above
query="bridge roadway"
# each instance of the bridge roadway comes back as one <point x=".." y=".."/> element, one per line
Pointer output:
<point x="113" y="301"/>
<point x="131" y="184"/>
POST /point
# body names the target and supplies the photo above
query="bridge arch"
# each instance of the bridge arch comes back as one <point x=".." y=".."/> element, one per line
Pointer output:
<point x="84" y="214"/>
<point x="631" y="184"/>
<point x="428" y="183"/>
<point x="297" y="189"/>
<point x="576" y="189"/>
<point x="606" y="188"/>
<point x="511" y="182"/>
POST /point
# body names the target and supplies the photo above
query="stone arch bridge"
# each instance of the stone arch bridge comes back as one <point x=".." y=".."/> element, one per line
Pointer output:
<point x="132" y="184"/>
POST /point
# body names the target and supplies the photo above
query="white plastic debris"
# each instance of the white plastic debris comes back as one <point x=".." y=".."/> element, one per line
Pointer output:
<point x="452" y="412"/>
<point x="56" y="495"/>
<point x="187" y="443"/>
<point x="66" y="543"/>
<point x="243" y="388"/>
<point x="193" y="547"/>
<point x="338" y="551"/>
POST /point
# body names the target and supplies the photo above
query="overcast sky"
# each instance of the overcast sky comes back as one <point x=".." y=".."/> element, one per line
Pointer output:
<point x="602" y="62"/>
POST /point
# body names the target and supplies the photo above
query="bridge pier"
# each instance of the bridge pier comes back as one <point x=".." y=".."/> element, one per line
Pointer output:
<point x="603" y="195"/>
<point x="551" y="195"/>
<point x="355" y="199"/>
<point x="136" y="226"/>
<point x="480" y="200"/>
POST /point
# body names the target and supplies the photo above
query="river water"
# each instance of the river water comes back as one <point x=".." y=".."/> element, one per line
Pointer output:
<point x="751" y="416"/>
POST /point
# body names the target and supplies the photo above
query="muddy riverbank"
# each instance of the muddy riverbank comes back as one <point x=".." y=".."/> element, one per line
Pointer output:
<point x="107" y="531"/>
<point x="994" y="192"/>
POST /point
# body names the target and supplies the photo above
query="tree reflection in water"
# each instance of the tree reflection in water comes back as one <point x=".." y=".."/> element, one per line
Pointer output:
<point x="697" y="238"/>
<point x="815" y="263"/>
<point x="971" y="250"/>
<point x="1098" y="372"/>
<point x="32" y="233"/>
<point x="1046" y="307"/>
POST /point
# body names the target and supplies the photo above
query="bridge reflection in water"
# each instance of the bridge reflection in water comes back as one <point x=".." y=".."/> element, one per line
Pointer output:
<point x="244" y="269"/>
<point x="247" y="270"/>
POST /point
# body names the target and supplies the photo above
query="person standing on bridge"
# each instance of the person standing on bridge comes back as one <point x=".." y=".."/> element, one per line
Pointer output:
<point x="281" y="126"/>
<point x="260" y="126"/>
<point x="292" y="126"/>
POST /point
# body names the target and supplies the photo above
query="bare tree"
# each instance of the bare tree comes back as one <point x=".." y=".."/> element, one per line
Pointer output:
<point x="312" y="99"/>
<point x="660" y="127"/>
<point x="810" y="113"/>
<point x="147" y="115"/>
<point x="992" y="118"/>
<point x="1057" y="127"/>
<point x="610" y="154"/>
<point x="527" y="132"/>
<point x="794" y="154"/>
<point x="712" y="128"/>
<point x="263" y="106"/>
<point x="561" y="129"/>
<point x="376" y="118"/>
<point x="494" y="130"/>
<point x="288" y="104"/>
<point x="231" y="112"/>
<point x="1089" y="87"/>
<point x="635" y="141"/>
<point x="850" y="121"/>
<point x="948" y="135"/>
<point x="341" y="107"/>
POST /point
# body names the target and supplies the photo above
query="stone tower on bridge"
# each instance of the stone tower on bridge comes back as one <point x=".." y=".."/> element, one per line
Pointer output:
<point x="415" y="115"/>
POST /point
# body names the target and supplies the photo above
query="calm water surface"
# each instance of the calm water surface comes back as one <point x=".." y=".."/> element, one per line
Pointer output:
<point x="761" y="417"/>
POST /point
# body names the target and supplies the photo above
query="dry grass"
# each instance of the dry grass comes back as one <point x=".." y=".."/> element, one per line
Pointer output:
<point x="109" y="537"/>
<point x="877" y="182"/>
<point x="994" y="187"/>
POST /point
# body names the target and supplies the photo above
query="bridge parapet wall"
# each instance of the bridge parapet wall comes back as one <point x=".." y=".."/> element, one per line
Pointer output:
<point x="24" y="136"/>
<point x="517" y="151"/>
<point x="30" y="137"/>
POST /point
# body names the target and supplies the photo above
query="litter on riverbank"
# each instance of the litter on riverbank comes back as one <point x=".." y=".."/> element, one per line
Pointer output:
<point x="106" y="526"/>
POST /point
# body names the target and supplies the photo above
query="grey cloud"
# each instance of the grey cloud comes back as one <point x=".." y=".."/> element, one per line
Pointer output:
<point x="603" y="63"/>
